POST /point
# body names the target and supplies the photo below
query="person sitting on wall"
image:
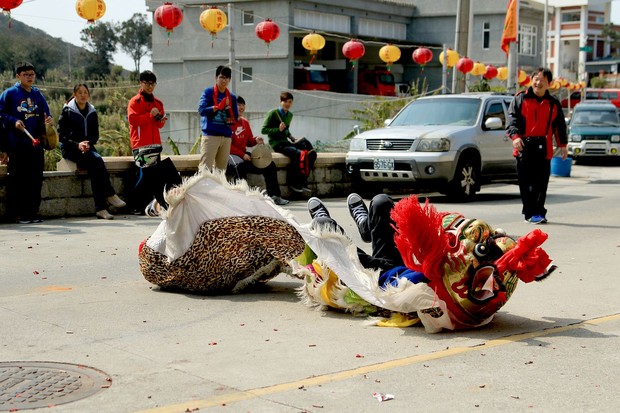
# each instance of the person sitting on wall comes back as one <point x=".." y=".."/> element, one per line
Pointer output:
<point x="240" y="161"/>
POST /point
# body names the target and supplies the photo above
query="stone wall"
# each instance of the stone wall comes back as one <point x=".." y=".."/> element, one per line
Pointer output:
<point x="67" y="192"/>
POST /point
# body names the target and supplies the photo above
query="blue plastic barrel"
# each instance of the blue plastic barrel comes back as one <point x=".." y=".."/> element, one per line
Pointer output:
<point x="560" y="167"/>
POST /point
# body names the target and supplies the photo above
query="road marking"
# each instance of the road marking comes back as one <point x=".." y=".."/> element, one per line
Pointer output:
<point x="238" y="396"/>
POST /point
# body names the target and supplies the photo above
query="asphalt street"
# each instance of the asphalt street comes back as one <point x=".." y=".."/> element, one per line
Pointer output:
<point x="72" y="293"/>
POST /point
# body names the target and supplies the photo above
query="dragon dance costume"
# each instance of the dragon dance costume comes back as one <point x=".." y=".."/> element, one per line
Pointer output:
<point x="219" y="238"/>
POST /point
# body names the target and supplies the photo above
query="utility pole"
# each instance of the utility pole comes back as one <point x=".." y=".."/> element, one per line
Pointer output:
<point x="231" y="48"/>
<point x="546" y="39"/>
<point x="512" y="82"/>
<point x="461" y="42"/>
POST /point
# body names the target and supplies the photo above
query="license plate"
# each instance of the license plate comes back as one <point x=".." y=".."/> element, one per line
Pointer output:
<point x="596" y="145"/>
<point x="384" y="164"/>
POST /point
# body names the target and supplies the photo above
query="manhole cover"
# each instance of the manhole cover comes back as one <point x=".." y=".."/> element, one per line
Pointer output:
<point x="34" y="384"/>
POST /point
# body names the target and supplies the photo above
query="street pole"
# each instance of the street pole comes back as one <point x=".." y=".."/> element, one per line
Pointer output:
<point x="231" y="48"/>
<point x="546" y="39"/>
<point x="461" y="42"/>
<point x="444" y="71"/>
<point x="512" y="82"/>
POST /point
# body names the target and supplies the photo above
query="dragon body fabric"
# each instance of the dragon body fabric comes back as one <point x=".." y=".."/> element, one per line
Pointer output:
<point x="218" y="238"/>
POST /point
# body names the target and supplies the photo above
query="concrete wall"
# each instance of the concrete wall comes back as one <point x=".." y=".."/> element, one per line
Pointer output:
<point x="68" y="193"/>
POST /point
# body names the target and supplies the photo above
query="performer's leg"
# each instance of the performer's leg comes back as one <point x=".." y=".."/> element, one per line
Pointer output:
<point x="381" y="229"/>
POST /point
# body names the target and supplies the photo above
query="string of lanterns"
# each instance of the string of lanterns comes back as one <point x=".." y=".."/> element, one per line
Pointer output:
<point x="213" y="20"/>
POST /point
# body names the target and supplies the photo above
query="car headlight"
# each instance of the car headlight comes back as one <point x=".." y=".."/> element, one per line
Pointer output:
<point x="615" y="138"/>
<point x="433" y="145"/>
<point x="357" y="144"/>
<point x="574" y="138"/>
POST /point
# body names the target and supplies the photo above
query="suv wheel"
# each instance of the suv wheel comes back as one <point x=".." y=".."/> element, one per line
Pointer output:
<point x="466" y="179"/>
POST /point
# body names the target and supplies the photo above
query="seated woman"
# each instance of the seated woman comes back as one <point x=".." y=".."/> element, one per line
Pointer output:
<point x="78" y="130"/>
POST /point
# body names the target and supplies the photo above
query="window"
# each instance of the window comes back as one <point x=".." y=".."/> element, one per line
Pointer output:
<point x="246" y="74"/>
<point x="486" y="34"/>
<point x="495" y="110"/>
<point x="248" y="17"/>
<point x="527" y="39"/>
<point x="571" y="16"/>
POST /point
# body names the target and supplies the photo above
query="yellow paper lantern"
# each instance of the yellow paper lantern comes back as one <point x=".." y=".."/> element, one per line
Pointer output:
<point x="213" y="20"/>
<point x="313" y="42"/>
<point x="479" y="69"/>
<point x="90" y="10"/>
<point x="564" y="82"/>
<point x="522" y="76"/>
<point x="389" y="54"/>
<point x="502" y="73"/>
<point x="452" y="58"/>
<point x="554" y="85"/>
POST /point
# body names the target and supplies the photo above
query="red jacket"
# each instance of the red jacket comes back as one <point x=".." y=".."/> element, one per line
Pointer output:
<point x="242" y="137"/>
<point x="143" y="128"/>
<point x="528" y="116"/>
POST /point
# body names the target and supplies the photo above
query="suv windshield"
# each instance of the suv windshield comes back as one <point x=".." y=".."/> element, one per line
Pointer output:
<point x="592" y="117"/>
<point x="457" y="111"/>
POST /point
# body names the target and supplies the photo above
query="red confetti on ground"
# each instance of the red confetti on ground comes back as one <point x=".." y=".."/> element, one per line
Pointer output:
<point x="35" y="272"/>
<point x="359" y="356"/>
<point x="213" y="343"/>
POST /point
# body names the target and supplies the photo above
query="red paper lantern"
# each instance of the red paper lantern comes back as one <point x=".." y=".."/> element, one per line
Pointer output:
<point x="168" y="16"/>
<point x="267" y="31"/>
<point x="353" y="50"/>
<point x="8" y="5"/>
<point x="422" y="55"/>
<point x="464" y="65"/>
<point x="491" y="72"/>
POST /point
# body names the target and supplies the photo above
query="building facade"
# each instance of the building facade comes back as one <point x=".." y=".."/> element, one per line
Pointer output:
<point x="185" y="60"/>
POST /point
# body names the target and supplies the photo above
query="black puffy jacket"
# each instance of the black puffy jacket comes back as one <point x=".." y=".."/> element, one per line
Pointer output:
<point x="73" y="128"/>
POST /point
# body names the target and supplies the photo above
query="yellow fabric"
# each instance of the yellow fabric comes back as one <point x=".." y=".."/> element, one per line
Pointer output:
<point x="399" y="320"/>
<point x="328" y="285"/>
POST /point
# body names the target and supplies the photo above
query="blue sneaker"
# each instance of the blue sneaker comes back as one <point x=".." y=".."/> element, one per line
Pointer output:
<point x="536" y="219"/>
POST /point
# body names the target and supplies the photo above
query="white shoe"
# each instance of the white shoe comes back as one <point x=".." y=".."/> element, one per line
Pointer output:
<point x="116" y="202"/>
<point x="104" y="214"/>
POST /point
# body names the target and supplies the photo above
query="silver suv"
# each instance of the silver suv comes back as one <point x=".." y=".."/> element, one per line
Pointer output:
<point x="449" y="143"/>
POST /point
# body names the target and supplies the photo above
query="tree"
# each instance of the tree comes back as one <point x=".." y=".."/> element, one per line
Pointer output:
<point x="101" y="40"/>
<point x="135" y="38"/>
<point x="610" y="31"/>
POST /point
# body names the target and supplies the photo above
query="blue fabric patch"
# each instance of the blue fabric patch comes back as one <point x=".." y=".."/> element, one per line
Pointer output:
<point x="391" y="277"/>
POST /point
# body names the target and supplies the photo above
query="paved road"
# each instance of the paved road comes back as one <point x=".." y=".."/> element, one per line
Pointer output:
<point x="72" y="292"/>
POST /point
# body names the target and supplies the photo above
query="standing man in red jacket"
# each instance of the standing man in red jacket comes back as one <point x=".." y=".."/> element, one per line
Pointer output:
<point x="146" y="117"/>
<point x="534" y="118"/>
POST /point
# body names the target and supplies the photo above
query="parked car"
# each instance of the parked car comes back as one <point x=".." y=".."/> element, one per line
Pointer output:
<point x="612" y="95"/>
<point x="450" y="143"/>
<point x="575" y="98"/>
<point x="594" y="130"/>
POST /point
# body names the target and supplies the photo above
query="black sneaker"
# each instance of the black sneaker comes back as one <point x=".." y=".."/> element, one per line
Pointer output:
<point x="359" y="213"/>
<point x="152" y="209"/>
<point x="317" y="209"/>
<point x="278" y="200"/>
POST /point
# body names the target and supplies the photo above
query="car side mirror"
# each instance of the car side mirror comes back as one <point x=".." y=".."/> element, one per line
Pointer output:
<point x="357" y="129"/>
<point x="387" y="122"/>
<point x="493" y="123"/>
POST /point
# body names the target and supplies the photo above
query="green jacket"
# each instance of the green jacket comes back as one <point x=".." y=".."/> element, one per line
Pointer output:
<point x="271" y="126"/>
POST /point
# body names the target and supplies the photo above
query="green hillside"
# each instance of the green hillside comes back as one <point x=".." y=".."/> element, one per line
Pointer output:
<point x="22" y="42"/>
